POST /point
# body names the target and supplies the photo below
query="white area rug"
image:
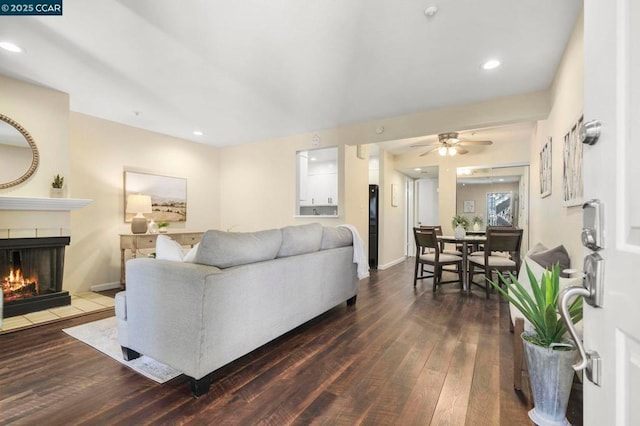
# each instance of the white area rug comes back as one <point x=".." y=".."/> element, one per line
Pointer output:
<point x="103" y="336"/>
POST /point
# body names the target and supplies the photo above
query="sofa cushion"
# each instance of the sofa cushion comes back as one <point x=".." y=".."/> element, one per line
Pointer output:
<point x="334" y="237"/>
<point x="226" y="249"/>
<point x="300" y="239"/>
<point x="548" y="259"/>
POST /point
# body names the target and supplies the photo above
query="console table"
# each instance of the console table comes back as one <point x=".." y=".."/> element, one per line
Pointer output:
<point x="135" y="242"/>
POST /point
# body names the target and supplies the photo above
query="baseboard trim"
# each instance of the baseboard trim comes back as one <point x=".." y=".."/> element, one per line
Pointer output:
<point x="105" y="286"/>
<point x="392" y="263"/>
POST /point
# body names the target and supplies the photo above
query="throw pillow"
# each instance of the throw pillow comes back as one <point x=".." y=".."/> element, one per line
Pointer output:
<point x="548" y="258"/>
<point x="168" y="249"/>
<point x="190" y="254"/>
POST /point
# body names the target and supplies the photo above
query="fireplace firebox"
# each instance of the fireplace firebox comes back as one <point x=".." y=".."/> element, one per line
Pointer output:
<point x="31" y="272"/>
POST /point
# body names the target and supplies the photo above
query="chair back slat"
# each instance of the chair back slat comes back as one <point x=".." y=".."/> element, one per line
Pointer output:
<point x="425" y="238"/>
<point x="504" y="240"/>
<point x="436" y="228"/>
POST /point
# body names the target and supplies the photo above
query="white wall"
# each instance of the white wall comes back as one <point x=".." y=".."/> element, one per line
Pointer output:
<point x="551" y="223"/>
<point x="356" y="191"/>
<point x="91" y="154"/>
<point x="44" y="113"/>
<point x="392" y="232"/>
<point x="100" y="151"/>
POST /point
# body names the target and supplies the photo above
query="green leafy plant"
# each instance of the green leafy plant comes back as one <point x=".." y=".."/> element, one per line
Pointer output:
<point x="460" y="220"/>
<point x="163" y="224"/>
<point x="540" y="308"/>
<point x="477" y="220"/>
<point x="58" y="182"/>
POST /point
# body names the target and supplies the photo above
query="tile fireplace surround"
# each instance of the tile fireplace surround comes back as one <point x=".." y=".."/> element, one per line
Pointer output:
<point x="42" y="217"/>
<point x="81" y="304"/>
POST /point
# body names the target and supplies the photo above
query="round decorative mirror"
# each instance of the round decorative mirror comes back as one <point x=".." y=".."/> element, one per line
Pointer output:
<point x="18" y="153"/>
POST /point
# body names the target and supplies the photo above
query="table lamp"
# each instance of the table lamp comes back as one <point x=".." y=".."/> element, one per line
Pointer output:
<point x="138" y="204"/>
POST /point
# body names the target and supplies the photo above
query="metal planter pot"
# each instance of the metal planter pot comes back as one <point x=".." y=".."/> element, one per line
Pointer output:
<point x="551" y="376"/>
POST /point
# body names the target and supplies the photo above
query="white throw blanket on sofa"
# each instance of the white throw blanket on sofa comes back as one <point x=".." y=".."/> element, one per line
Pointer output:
<point x="359" y="254"/>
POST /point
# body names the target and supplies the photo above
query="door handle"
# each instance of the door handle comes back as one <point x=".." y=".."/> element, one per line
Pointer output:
<point x="592" y="291"/>
<point x="589" y="360"/>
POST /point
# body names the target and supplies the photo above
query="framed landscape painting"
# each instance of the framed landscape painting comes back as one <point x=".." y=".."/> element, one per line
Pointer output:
<point x="168" y="195"/>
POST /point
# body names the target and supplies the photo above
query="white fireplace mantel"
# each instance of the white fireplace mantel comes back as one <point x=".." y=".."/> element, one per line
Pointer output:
<point x="42" y="203"/>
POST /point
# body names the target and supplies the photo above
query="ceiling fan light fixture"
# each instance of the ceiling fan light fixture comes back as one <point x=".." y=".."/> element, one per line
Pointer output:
<point x="442" y="150"/>
<point x="452" y="151"/>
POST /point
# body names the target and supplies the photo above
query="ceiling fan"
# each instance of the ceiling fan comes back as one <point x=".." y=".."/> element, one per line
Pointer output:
<point x="449" y="144"/>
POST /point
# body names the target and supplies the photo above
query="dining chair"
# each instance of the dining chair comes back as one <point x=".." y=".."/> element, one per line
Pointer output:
<point x="479" y="249"/>
<point x="438" y="230"/>
<point x="428" y="253"/>
<point x="502" y="240"/>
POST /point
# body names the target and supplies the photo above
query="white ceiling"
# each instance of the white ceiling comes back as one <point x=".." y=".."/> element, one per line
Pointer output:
<point x="251" y="70"/>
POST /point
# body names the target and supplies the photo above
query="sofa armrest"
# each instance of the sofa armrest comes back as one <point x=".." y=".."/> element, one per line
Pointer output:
<point x="164" y="306"/>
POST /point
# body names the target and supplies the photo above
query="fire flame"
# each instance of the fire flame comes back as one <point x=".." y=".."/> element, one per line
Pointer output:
<point x="15" y="277"/>
<point x="15" y="283"/>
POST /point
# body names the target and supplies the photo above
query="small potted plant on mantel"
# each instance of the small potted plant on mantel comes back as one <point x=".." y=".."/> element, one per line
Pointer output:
<point x="57" y="186"/>
<point x="549" y="354"/>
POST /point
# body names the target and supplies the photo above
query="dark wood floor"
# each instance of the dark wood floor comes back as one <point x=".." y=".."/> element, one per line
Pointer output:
<point x="400" y="356"/>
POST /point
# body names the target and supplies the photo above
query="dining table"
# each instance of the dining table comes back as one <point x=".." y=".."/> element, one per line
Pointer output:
<point x="474" y="240"/>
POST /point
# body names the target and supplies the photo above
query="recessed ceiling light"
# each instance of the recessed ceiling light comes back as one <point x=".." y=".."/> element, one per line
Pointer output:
<point x="198" y="133"/>
<point x="431" y="11"/>
<point x="7" y="45"/>
<point x="417" y="169"/>
<point x="491" y="64"/>
<point x="313" y="159"/>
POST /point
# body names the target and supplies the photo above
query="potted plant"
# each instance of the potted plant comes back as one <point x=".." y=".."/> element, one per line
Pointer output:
<point x="548" y="353"/>
<point x="57" y="186"/>
<point x="460" y="225"/>
<point x="162" y="226"/>
<point x="477" y="222"/>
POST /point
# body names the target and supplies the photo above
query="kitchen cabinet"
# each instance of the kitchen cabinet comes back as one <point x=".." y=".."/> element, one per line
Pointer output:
<point x="317" y="181"/>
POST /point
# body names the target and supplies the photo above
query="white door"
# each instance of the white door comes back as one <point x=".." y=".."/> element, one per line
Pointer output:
<point x="612" y="175"/>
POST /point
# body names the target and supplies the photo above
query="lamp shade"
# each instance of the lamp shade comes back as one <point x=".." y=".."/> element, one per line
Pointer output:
<point x="138" y="204"/>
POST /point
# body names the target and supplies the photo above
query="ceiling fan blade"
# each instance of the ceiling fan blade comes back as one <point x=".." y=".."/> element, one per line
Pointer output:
<point x="474" y="143"/>
<point x="417" y="145"/>
<point x="460" y="150"/>
<point x="427" y="152"/>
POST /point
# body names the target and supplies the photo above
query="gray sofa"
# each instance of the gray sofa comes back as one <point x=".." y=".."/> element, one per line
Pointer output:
<point x="244" y="290"/>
